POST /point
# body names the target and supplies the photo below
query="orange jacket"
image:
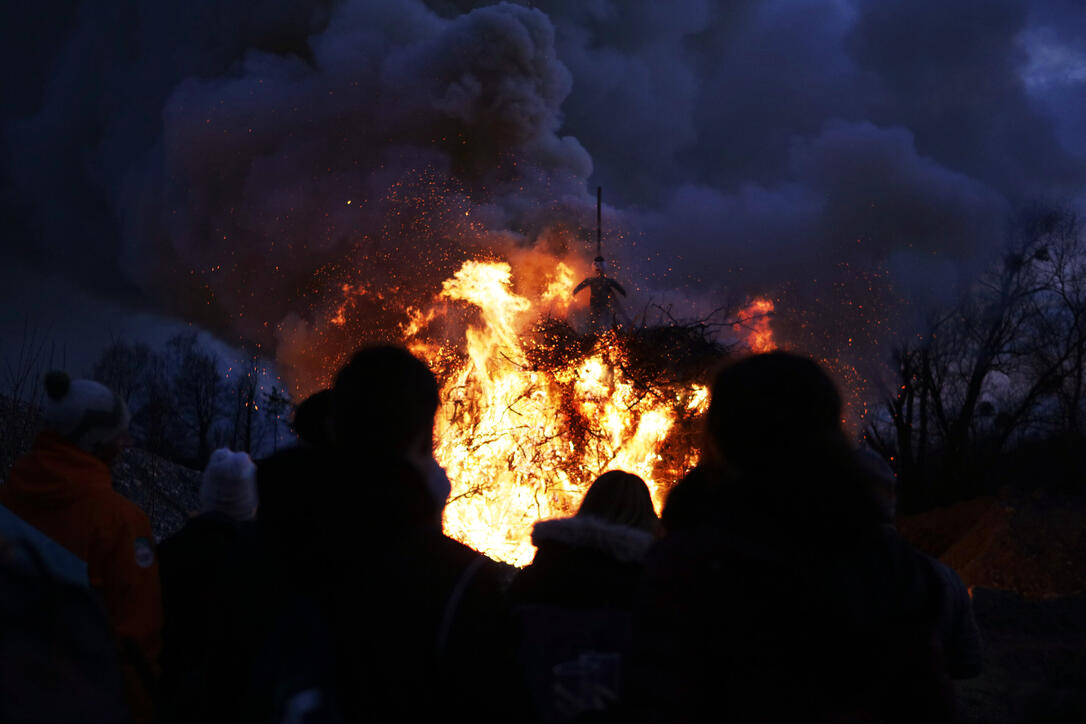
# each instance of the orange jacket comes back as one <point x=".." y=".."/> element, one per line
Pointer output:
<point x="67" y="494"/>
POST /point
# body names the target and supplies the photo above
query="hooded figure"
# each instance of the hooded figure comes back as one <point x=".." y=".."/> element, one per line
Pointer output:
<point x="60" y="497"/>
<point x="572" y="604"/>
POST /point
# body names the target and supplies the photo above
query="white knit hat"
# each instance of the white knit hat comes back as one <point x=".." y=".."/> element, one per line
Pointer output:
<point x="228" y="485"/>
<point x="84" y="412"/>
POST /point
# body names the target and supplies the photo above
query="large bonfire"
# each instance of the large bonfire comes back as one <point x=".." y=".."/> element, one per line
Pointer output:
<point x="532" y="410"/>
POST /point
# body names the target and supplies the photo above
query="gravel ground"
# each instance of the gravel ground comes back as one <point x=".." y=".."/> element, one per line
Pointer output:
<point x="1034" y="661"/>
<point x="167" y="492"/>
<point x="1024" y="557"/>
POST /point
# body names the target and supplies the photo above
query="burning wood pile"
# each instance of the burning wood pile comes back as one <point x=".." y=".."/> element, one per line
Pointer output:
<point x="533" y="410"/>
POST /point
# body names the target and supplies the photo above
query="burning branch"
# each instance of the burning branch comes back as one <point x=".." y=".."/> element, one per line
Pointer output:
<point x="534" y="409"/>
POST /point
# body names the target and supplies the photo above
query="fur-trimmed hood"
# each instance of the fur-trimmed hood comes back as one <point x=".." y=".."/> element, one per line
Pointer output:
<point x="620" y="542"/>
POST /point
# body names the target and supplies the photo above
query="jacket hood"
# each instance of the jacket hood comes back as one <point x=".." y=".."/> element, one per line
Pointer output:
<point x="620" y="542"/>
<point x="55" y="474"/>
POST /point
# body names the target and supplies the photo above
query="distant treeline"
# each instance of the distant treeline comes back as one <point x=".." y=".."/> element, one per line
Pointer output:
<point x="185" y="401"/>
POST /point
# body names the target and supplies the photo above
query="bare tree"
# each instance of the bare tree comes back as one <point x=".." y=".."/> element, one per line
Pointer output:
<point x="1004" y="364"/>
<point x="276" y="404"/>
<point x="123" y="368"/>
<point x="196" y="385"/>
<point x="23" y="371"/>
<point x="245" y="406"/>
<point x="1055" y="357"/>
<point x="155" y="418"/>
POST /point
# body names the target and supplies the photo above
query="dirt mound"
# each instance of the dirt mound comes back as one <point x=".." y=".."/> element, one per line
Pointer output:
<point x="1034" y="545"/>
<point x="1024" y="558"/>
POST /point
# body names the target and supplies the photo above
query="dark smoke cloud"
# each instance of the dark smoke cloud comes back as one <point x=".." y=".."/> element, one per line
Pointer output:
<point x="836" y="155"/>
<point x="441" y="133"/>
<point x="1055" y="74"/>
<point x="853" y="192"/>
<point x="91" y="106"/>
<point x="951" y="74"/>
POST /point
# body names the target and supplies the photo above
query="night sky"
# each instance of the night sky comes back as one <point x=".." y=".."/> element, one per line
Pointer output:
<point x="166" y="163"/>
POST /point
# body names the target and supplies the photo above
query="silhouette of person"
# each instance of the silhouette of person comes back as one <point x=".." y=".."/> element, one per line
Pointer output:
<point x="572" y="604"/>
<point x="437" y="603"/>
<point x="377" y="613"/>
<point x="312" y="421"/>
<point x="602" y="304"/>
<point x="197" y="562"/>
<point x="778" y="593"/>
<point x="61" y="495"/>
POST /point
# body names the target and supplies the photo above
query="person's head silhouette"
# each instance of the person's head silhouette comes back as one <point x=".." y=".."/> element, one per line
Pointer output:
<point x="622" y="498"/>
<point x="767" y="407"/>
<point x="384" y="401"/>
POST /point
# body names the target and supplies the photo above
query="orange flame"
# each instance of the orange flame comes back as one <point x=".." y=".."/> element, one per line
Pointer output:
<point x="755" y="320"/>
<point x="505" y="430"/>
<point x="521" y="440"/>
<point x="350" y="295"/>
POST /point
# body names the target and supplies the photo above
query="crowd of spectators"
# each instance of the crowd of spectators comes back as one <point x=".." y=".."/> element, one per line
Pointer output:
<point x="317" y="585"/>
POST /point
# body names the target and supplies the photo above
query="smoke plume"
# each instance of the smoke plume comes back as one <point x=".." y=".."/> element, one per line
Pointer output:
<point x="257" y="168"/>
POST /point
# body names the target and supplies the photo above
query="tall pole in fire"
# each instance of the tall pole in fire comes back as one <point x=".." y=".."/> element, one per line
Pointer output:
<point x="599" y="222"/>
<point x="602" y="304"/>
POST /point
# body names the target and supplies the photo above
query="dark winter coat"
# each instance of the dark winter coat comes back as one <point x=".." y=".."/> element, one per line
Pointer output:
<point x="693" y="501"/>
<point x="582" y="563"/>
<point x="957" y="626"/>
<point x="757" y="618"/>
<point x="425" y="633"/>
<point x="575" y="598"/>
<point x="358" y="596"/>
<point x="58" y="662"/>
<point x="198" y="564"/>
<point x="697" y="499"/>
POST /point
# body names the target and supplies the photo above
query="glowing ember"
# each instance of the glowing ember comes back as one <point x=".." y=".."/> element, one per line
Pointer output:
<point x="350" y="294"/>
<point x="521" y="440"/>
